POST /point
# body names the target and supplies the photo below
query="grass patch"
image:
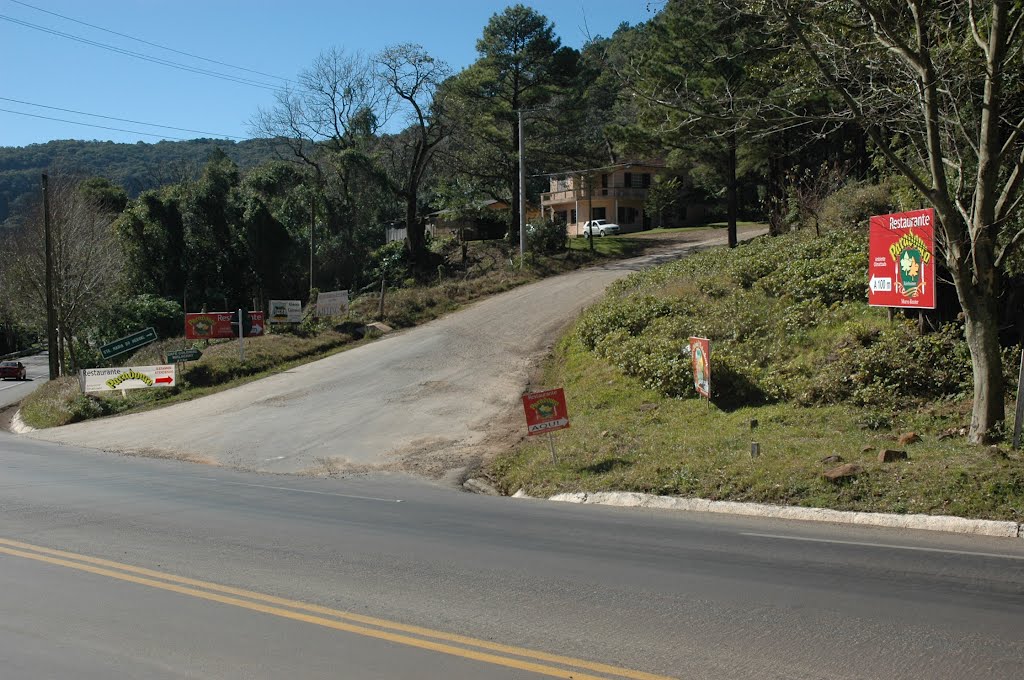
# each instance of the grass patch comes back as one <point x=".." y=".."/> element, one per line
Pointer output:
<point x="60" y="402"/>
<point x="795" y="347"/>
<point x="625" y="437"/>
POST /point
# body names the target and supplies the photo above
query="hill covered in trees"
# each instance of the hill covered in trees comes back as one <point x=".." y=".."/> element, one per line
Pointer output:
<point x="136" y="167"/>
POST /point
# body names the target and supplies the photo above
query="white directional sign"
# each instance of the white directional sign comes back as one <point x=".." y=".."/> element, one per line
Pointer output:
<point x="285" y="311"/>
<point x="126" y="378"/>
<point x="881" y="284"/>
<point x="333" y="303"/>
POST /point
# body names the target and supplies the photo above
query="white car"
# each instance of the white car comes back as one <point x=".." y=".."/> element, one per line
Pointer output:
<point x="600" y="228"/>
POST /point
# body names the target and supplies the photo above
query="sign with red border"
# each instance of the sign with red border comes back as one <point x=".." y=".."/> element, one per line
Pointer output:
<point x="214" y="325"/>
<point x="901" y="271"/>
<point x="700" y="354"/>
<point x="545" y="411"/>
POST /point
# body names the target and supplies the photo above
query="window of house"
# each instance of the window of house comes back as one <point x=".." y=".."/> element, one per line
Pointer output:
<point x="572" y="213"/>
<point x="627" y="179"/>
<point x="604" y="181"/>
<point x="645" y="180"/>
<point x="599" y="213"/>
<point x="627" y="215"/>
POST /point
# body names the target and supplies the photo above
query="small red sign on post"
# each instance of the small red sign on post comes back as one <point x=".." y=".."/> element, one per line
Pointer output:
<point x="902" y="260"/>
<point x="214" y="325"/>
<point x="545" y="411"/>
<point x="700" y="353"/>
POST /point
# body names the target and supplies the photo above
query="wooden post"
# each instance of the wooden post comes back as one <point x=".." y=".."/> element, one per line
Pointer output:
<point x="51" y="310"/>
<point x="1020" y="404"/>
<point x="380" y="306"/>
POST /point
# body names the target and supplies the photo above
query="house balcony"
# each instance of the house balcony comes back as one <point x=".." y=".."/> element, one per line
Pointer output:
<point x="572" y="195"/>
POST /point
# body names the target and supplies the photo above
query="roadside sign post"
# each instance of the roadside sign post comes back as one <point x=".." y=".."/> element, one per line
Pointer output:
<point x="1020" y="404"/>
<point x="220" y="325"/>
<point x="123" y="378"/>
<point x="901" y="265"/>
<point x="700" y="355"/>
<point x="241" y="336"/>
<point x="182" y="355"/>
<point x="551" y="442"/>
<point x="128" y="343"/>
<point x="545" y="413"/>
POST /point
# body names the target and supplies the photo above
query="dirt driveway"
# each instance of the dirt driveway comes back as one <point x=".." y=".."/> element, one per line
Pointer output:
<point x="431" y="399"/>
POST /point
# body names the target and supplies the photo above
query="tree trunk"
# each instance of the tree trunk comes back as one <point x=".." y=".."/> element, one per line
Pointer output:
<point x="415" y="230"/>
<point x="982" y="333"/>
<point x="514" y="227"/>
<point x="732" y="198"/>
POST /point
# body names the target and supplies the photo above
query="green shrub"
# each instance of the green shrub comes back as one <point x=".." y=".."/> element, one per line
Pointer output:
<point x="631" y="314"/>
<point x="546" y="237"/>
<point x="851" y="206"/>
<point x="896" y="366"/>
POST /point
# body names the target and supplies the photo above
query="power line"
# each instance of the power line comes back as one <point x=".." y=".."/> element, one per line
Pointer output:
<point x="123" y="120"/>
<point x="102" y="127"/>
<point x="145" y="57"/>
<point x="151" y="44"/>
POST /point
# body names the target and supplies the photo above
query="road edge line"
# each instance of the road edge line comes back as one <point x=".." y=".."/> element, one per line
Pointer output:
<point x="944" y="523"/>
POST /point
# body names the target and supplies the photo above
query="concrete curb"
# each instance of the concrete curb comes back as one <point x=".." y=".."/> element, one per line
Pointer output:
<point x="957" y="525"/>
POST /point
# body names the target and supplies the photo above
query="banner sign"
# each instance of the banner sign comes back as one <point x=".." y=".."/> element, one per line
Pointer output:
<point x="214" y="325"/>
<point x="285" y="311"/>
<point x="128" y="343"/>
<point x="545" y="411"/>
<point x="333" y="303"/>
<point x="902" y="260"/>
<point x="700" y="353"/>
<point x="126" y="378"/>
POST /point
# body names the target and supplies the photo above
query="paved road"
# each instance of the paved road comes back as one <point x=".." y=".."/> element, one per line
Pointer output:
<point x="326" y="577"/>
<point x="428" y="399"/>
<point x="12" y="391"/>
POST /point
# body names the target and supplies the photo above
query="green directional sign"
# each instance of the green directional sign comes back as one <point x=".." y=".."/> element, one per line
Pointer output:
<point x="183" y="355"/>
<point x="128" y="343"/>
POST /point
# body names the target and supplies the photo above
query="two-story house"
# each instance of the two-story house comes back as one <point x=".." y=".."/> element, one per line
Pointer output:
<point x="615" y="193"/>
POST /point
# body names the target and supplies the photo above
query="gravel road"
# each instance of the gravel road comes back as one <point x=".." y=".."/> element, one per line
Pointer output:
<point x="431" y="400"/>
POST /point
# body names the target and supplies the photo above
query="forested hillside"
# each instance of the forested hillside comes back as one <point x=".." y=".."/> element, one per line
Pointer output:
<point x="136" y="167"/>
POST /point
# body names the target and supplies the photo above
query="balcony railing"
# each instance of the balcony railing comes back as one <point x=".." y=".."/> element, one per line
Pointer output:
<point x="569" y="195"/>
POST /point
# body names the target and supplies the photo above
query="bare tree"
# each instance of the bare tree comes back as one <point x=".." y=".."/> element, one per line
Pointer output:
<point x="86" y="265"/>
<point x="939" y="89"/>
<point x="413" y="78"/>
<point x="336" y="102"/>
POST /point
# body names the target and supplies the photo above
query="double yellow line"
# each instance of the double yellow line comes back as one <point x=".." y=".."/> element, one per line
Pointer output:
<point x="413" y="636"/>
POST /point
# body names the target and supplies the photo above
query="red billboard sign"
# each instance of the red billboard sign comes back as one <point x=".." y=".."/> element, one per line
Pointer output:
<point x="700" y="353"/>
<point x="214" y="325"/>
<point x="545" y="411"/>
<point x="901" y="272"/>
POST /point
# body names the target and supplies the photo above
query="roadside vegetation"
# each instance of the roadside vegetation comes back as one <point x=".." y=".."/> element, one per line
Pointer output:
<point x="799" y="364"/>
<point x="490" y="267"/>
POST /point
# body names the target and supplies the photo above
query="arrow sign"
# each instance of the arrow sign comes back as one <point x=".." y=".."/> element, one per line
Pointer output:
<point x="183" y="355"/>
<point x="879" y="284"/>
<point x="128" y="343"/>
<point x="167" y="380"/>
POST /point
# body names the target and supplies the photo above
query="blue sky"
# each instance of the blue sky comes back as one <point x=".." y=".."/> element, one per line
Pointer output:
<point x="278" y="38"/>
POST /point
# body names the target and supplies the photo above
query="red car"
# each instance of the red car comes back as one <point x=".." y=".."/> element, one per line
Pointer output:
<point x="12" y="369"/>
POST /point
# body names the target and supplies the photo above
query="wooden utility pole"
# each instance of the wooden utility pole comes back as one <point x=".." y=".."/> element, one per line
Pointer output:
<point x="51" y="311"/>
<point x="312" y="222"/>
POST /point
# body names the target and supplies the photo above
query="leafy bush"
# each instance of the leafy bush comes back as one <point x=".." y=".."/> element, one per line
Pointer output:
<point x="787" y="318"/>
<point x="851" y="206"/>
<point x="896" y="367"/>
<point x="546" y="237"/>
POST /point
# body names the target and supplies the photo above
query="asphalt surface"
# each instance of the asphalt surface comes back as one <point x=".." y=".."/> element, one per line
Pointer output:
<point x="676" y="594"/>
<point x="12" y="391"/>
<point x="428" y="399"/>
